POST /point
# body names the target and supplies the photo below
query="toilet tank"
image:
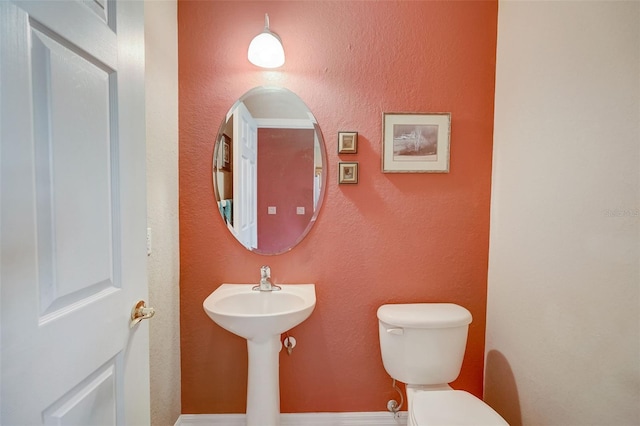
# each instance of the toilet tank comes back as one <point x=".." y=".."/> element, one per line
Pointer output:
<point x="423" y="343"/>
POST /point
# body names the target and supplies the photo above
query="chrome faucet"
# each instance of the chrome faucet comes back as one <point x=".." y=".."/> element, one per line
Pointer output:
<point x="265" y="281"/>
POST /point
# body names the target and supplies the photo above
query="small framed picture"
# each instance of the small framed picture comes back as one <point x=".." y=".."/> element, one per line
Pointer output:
<point x="225" y="155"/>
<point x="347" y="142"/>
<point x="415" y="143"/>
<point x="347" y="172"/>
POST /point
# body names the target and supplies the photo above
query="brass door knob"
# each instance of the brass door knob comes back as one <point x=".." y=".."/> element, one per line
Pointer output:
<point x="140" y="312"/>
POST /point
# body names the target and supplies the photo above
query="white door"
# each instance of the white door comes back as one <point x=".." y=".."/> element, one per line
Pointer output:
<point x="73" y="213"/>
<point x="245" y="177"/>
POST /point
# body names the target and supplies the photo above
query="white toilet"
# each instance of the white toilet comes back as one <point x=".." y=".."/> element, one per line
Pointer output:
<point x="422" y="345"/>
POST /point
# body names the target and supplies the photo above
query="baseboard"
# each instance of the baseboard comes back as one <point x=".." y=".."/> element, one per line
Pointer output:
<point x="378" y="418"/>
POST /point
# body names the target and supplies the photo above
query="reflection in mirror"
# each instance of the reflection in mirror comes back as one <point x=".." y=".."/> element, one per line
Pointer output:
<point x="268" y="170"/>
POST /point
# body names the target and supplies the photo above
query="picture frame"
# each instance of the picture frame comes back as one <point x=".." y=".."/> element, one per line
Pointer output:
<point x="348" y="173"/>
<point x="415" y="142"/>
<point x="225" y="156"/>
<point x="347" y="142"/>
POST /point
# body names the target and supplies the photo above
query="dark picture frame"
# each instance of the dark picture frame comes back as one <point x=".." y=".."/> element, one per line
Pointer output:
<point x="348" y="173"/>
<point x="347" y="142"/>
<point x="225" y="155"/>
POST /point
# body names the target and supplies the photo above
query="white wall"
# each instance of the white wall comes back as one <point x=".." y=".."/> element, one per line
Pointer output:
<point x="161" y="38"/>
<point x="563" y="326"/>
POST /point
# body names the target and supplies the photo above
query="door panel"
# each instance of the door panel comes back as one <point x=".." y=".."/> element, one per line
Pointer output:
<point x="245" y="184"/>
<point x="72" y="145"/>
<point x="94" y="398"/>
<point x="73" y="255"/>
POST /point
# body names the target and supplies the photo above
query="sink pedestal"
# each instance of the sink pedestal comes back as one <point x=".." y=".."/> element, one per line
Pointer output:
<point x="263" y="384"/>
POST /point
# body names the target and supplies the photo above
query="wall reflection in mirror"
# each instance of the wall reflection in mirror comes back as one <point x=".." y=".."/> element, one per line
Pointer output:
<point x="269" y="170"/>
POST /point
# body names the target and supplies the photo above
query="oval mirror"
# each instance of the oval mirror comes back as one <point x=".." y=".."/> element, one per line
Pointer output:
<point x="269" y="170"/>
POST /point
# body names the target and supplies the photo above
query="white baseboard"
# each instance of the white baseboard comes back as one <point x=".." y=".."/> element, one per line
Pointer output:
<point x="378" y="418"/>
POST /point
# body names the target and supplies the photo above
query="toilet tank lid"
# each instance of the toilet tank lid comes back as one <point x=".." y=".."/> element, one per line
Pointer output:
<point x="424" y="315"/>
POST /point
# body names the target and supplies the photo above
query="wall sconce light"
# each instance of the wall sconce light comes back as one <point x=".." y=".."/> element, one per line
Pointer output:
<point x="266" y="49"/>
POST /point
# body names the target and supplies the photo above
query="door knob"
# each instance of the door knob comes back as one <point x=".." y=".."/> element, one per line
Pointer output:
<point x="140" y="312"/>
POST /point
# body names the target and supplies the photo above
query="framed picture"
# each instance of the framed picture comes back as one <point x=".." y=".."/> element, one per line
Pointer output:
<point x="347" y="172"/>
<point x="347" y="142"/>
<point x="415" y="143"/>
<point x="225" y="155"/>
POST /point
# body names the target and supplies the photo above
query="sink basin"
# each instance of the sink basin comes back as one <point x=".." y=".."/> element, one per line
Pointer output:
<point x="260" y="314"/>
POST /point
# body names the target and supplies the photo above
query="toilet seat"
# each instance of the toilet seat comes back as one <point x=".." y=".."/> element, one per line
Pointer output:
<point x="452" y="408"/>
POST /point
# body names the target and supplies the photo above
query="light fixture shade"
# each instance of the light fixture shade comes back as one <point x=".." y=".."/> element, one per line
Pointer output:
<point x="266" y="49"/>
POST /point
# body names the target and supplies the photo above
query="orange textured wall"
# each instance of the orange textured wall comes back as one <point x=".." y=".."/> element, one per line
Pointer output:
<point x="390" y="238"/>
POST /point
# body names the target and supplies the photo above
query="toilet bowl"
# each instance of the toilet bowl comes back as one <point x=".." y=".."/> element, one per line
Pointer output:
<point x="452" y="408"/>
<point x="423" y="345"/>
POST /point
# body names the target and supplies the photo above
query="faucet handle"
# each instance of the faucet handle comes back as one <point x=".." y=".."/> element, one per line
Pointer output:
<point x="265" y="272"/>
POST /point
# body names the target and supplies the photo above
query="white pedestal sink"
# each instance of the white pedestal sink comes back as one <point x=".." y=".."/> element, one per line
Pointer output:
<point x="260" y="317"/>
